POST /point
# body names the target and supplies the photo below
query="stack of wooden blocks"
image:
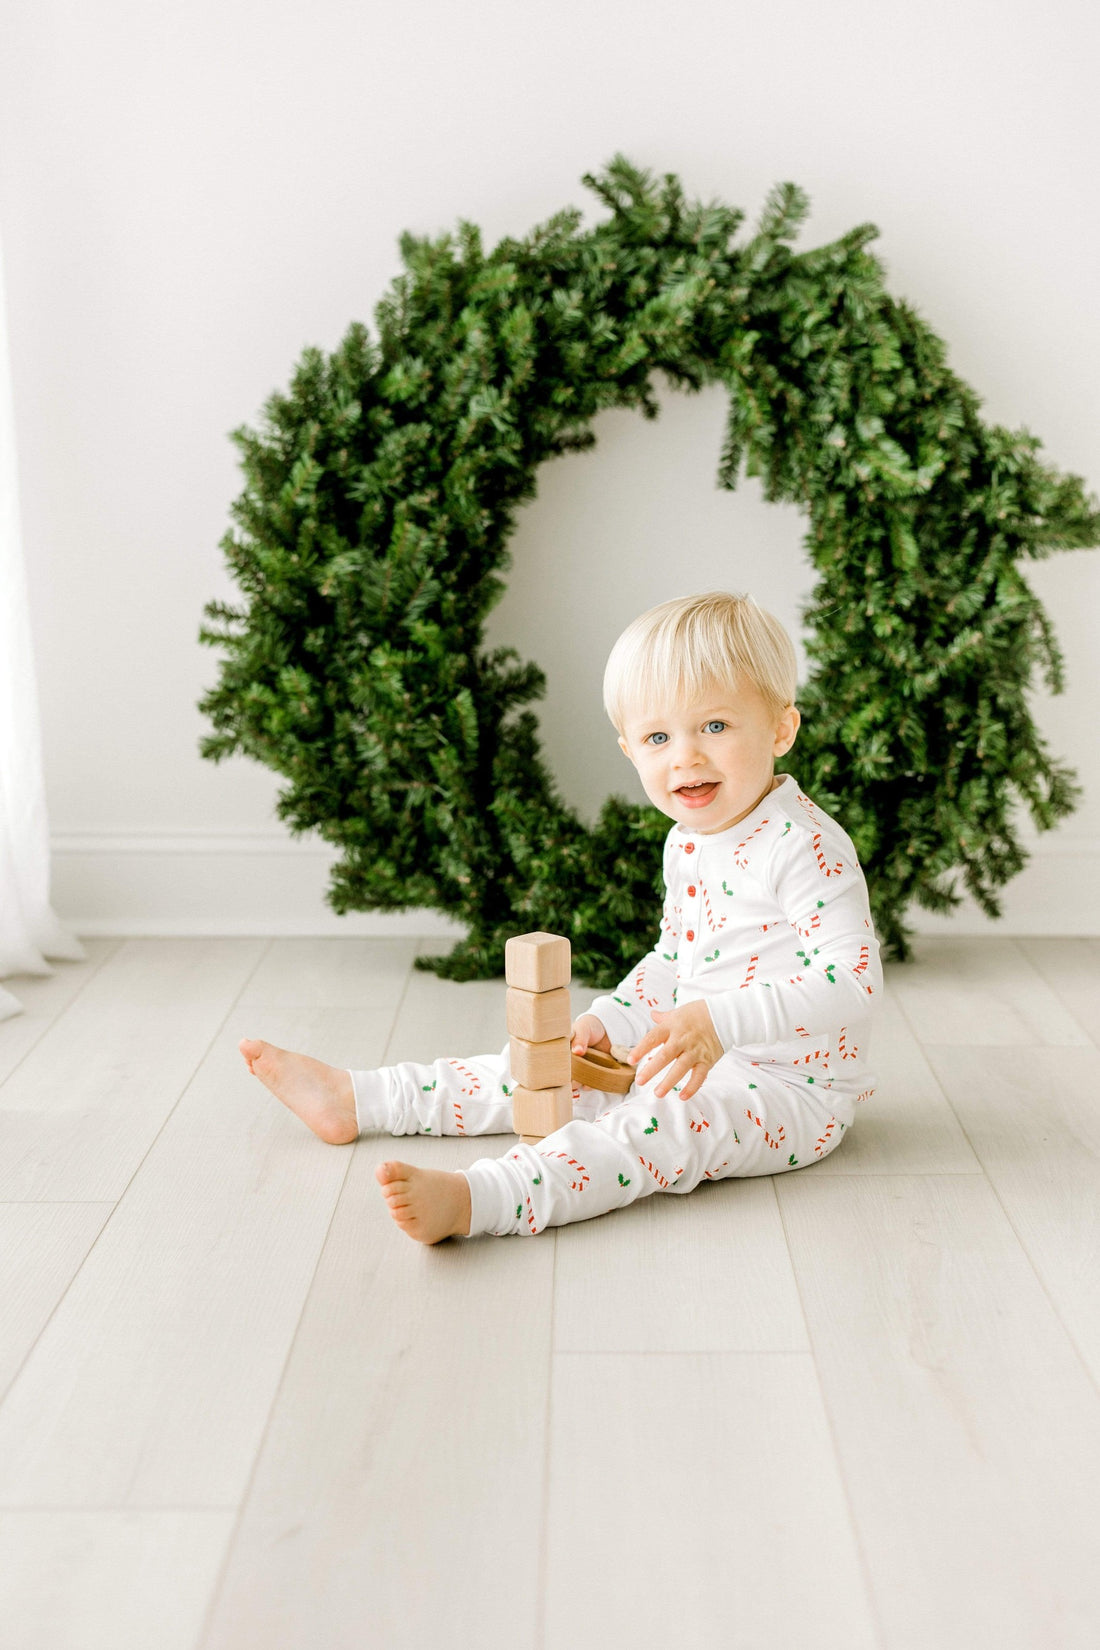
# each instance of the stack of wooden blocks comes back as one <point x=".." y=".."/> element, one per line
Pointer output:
<point x="537" y="968"/>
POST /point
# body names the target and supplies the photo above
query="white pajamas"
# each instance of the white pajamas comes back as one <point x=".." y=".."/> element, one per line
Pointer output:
<point x="767" y="921"/>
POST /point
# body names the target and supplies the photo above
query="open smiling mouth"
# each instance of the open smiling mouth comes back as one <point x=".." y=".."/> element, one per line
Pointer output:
<point x="697" y="796"/>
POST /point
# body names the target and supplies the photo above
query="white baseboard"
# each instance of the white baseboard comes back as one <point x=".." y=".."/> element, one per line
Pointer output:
<point x="250" y="882"/>
<point x="200" y="883"/>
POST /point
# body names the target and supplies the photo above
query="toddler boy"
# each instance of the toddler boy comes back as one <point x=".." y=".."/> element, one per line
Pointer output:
<point x="749" y="1020"/>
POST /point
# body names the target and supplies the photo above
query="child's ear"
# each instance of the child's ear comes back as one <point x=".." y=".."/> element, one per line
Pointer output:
<point x="787" y="731"/>
<point x="625" y="748"/>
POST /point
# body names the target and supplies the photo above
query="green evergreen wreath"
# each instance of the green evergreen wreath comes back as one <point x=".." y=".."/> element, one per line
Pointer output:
<point x="370" y="542"/>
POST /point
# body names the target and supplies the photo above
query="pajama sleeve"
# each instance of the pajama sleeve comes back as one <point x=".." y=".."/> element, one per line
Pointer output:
<point x="835" y="973"/>
<point x="651" y="983"/>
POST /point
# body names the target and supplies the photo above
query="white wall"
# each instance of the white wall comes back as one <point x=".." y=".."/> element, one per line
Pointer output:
<point x="191" y="193"/>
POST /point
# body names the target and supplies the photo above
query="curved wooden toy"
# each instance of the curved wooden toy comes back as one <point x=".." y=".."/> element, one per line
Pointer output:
<point x="602" y="1071"/>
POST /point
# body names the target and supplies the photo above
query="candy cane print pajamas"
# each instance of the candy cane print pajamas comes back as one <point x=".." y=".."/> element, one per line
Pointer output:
<point x="768" y="921"/>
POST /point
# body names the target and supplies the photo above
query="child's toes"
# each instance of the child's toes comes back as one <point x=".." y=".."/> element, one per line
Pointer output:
<point x="251" y="1048"/>
<point x="394" y="1181"/>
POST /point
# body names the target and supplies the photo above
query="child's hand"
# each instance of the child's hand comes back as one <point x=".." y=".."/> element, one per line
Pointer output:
<point x="588" y="1032"/>
<point x="687" y="1037"/>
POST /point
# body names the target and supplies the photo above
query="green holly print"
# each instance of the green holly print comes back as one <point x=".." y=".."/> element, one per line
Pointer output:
<point x="670" y="956"/>
<point x="519" y="1210"/>
<point x="652" y="1130"/>
<point x="792" y="1162"/>
<point x="726" y="890"/>
<point x="623" y="1182"/>
<point x="713" y="958"/>
<point x="506" y="1091"/>
<point x="624" y="1000"/>
<point x="428" y="1087"/>
<point x="808" y="957"/>
<point x="537" y="1180"/>
<point x="787" y="827"/>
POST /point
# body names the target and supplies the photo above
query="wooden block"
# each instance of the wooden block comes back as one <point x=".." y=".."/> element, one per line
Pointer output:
<point x="537" y="962"/>
<point x="538" y="1112"/>
<point x="538" y="1015"/>
<point x="540" y="1065"/>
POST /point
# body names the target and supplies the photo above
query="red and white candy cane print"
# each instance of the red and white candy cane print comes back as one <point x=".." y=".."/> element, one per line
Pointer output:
<point x="753" y="960"/>
<point x="804" y="930"/>
<point x="639" y="987"/>
<point x="826" y="870"/>
<point x="656" y="1173"/>
<point x="807" y="807"/>
<point x="780" y="1133"/>
<point x="861" y="965"/>
<point x="531" y="1221"/>
<point x="739" y="858"/>
<point x="823" y="1139"/>
<point x="819" y="1057"/>
<point x="845" y="1052"/>
<point x="581" y="1182"/>
<point x="471" y="1085"/>
<point x="715" y="927"/>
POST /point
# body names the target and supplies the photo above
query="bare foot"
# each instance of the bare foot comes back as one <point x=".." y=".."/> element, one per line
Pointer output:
<point x="322" y="1096"/>
<point x="428" y="1204"/>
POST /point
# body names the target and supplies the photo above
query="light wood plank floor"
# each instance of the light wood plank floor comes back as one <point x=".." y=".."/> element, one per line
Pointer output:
<point x="852" y="1406"/>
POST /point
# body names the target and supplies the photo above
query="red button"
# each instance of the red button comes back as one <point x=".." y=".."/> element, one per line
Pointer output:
<point x="691" y="934"/>
<point x="691" y="890"/>
<point x="689" y="847"/>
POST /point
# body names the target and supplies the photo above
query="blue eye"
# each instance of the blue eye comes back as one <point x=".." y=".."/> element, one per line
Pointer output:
<point x="716" y="723"/>
<point x="657" y="737"/>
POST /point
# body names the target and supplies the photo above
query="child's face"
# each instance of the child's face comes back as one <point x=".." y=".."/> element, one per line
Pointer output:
<point x="709" y="764"/>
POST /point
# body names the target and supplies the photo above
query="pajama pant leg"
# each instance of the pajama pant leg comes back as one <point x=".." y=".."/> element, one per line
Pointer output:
<point x="468" y="1096"/>
<point x="742" y="1121"/>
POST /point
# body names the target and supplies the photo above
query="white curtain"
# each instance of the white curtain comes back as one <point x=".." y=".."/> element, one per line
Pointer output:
<point x="29" y="930"/>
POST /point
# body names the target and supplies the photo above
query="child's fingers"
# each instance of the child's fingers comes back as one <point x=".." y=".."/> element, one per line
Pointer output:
<point x="685" y="1061"/>
<point x="656" y="1061"/>
<point x="588" y="1032"/>
<point x="651" y="1040"/>
<point x="581" y="1033"/>
<point x="671" y="1078"/>
<point x="699" y="1077"/>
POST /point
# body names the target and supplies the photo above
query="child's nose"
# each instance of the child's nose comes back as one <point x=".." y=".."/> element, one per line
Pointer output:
<point x="687" y="752"/>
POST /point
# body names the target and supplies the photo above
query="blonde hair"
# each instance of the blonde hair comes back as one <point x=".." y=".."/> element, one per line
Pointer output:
<point x="675" y="652"/>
